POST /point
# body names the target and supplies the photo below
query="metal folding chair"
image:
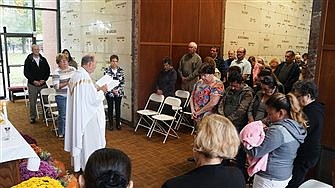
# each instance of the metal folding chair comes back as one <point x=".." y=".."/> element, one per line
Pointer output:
<point x="45" y="92"/>
<point x="53" y="111"/>
<point x="184" y="97"/>
<point x="152" y="107"/>
<point x="164" y="121"/>
<point x="185" y="114"/>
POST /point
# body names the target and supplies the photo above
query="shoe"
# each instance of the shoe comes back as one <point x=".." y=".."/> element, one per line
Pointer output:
<point x="191" y="159"/>
<point x="118" y="126"/>
<point x="61" y="136"/>
<point x="32" y="121"/>
<point x="110" y="128"/>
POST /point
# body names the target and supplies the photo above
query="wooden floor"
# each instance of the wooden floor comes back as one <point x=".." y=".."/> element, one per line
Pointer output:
<point x="153" y="162"/>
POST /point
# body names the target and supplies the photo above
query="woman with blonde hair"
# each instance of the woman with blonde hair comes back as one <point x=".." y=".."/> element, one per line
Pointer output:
<point x="216" y="140"/>
<point x="286" y="132"/>
<point x="60" y="80"/>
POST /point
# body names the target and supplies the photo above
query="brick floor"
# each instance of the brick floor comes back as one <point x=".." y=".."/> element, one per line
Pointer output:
<point x="153" y="162"/>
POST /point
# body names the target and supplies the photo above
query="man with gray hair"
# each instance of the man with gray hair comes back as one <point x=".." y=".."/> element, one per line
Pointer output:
<point x="37" y="71"/>
<point x="85" y="116"/>
<point x="188" y="67"/>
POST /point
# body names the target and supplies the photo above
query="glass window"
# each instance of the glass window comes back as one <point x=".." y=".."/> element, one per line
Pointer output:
<point x="22" y="3"/>
<point x="16" y="20"/>
<point x="46" y="4"/>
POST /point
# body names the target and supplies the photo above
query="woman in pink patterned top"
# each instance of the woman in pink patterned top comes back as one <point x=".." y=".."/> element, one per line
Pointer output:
<point x="206" y="93"/>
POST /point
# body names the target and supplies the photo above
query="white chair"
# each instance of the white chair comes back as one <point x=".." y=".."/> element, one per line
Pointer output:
<point x="53" y="111"/>
<point x="314" y="184"/>
<point x="186" y="114"/>
<point x="164" y="121"/>
<point x="49" y="82"/>
<point x="45" y="92"/>
<point x="185" y="119"/>
<point x="184" y="97"/>
<point x="105" y="108"/>
<point x="152" y="107"/>
<point x="39" y="108"/>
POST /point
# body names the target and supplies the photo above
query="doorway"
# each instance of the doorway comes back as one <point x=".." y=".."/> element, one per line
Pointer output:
<point x="14" y="48"/>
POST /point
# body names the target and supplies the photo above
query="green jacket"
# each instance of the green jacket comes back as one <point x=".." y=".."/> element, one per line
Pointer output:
<point x="234" y="105"/>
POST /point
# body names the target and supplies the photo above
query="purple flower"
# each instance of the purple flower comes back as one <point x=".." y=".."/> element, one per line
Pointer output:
<point x="45" y="170"/>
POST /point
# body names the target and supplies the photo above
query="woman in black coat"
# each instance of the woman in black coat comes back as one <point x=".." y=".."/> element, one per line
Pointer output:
<point x="309" y="152"/>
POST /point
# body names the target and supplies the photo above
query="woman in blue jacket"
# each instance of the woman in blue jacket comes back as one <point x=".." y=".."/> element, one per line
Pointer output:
<point x="282" y="140"/>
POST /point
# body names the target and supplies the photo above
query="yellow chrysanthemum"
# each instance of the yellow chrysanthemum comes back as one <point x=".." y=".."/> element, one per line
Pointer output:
<point x="39" y="182"/>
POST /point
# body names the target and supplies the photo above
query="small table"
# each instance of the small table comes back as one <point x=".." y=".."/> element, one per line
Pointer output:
<point x="11" y="151"/>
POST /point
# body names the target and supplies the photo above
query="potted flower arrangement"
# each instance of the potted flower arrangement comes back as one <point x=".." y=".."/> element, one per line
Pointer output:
<point x="45" y="170"/>
<point x="50" y="168"/>
<point x="36" y="182"/>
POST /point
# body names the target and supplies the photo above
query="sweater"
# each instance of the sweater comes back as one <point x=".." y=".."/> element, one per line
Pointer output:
<point x="311" y="148"/>
<point x="33" y="72"/>
<point x="281" y="142"/>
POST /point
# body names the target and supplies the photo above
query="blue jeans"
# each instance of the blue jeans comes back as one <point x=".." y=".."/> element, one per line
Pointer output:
<point x="61" y="105"/>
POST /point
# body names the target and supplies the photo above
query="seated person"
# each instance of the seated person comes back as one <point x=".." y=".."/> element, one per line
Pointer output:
<point x="167" y="79"/>
<point x="256" y="110"/>
<point x="217" y="139"/>
<point x="107" y="168"/>
<point x="267" y="72"/>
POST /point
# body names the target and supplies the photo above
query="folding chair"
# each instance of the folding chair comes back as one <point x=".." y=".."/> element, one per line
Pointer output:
<point x="39" y="108"/>
<point x="50" y="83"/>
<point x="53" y="111"/>
<point x="105" y="108"/>
<point x="45" y="92"/>
<point x="185" y="118"/>
<point x="184" y="97"/>
<point x="152" y="107"/>
<point x="164" y="121"/>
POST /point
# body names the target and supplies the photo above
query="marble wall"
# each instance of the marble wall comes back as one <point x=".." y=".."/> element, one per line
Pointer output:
<point x="267" y="28"/>
<point x="101" y="28"/>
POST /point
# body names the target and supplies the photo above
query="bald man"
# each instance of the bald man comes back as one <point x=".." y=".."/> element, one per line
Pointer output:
<point x="188" y="67"/>
<point x="243" y="63"/>
<point x="37" y="71"/>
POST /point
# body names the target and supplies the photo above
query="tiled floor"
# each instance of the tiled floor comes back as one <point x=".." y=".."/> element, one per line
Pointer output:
<point x="153" y="162"/>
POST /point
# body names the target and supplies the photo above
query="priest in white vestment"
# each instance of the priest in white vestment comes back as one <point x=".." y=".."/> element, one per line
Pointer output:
<point x="85" y="115"/>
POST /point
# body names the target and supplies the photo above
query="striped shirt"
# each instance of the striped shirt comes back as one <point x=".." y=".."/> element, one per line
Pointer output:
<point x="61" y="76"/>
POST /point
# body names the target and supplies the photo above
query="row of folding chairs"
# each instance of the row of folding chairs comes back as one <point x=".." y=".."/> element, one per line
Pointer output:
<point x="165" y="115"/>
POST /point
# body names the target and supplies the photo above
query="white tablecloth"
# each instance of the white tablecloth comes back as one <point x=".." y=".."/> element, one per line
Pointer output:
<point x="17" y="148"/>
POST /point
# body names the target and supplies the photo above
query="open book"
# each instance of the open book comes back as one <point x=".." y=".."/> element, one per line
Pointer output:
<point x="108" y="80"/>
